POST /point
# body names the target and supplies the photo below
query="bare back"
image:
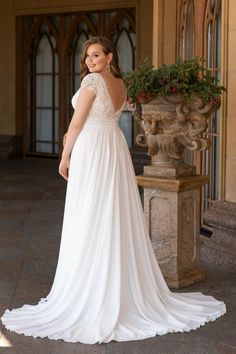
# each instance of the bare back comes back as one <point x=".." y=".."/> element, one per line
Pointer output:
<point x="115" y="89"/>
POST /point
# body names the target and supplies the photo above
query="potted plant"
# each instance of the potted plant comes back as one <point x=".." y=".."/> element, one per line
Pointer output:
<point x="185" y="78"/>
<point x="172" y="104"/>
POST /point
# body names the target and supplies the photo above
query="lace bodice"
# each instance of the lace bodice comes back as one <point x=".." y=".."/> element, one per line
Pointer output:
<point x="102" y="106"/>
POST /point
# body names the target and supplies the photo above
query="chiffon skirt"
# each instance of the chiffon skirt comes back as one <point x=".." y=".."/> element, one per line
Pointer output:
<point x="108" y="285"/>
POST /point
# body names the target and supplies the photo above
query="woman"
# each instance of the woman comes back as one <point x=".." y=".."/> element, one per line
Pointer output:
<point x="108" y="285"/>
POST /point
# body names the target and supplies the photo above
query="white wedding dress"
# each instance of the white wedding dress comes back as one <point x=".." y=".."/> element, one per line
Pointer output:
<point x="108" y="285"/>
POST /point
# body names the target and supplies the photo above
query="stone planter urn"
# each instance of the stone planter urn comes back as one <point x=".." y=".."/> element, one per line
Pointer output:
<point x="172" y="189"/>
<point x="170" y="125"/>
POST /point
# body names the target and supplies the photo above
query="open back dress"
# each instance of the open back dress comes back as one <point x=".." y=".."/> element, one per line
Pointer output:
<point x="108" y="285"/>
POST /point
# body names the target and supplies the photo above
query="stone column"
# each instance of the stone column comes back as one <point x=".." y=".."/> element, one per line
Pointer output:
<point x="172" y="210"/>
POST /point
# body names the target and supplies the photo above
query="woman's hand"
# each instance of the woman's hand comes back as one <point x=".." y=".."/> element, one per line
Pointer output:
<point x="64" y="167"/>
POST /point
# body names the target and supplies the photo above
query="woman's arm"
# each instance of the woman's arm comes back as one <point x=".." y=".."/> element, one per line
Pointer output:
<point x="83" y="105"/>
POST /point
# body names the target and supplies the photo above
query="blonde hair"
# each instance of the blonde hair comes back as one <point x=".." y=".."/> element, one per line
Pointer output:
<point x="107" y="47"/>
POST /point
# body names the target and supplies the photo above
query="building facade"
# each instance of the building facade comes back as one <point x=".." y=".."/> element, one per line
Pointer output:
<point x="40" y="44"/>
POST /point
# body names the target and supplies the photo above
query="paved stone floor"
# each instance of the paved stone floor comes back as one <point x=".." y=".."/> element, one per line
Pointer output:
<point x="31" y="210"/>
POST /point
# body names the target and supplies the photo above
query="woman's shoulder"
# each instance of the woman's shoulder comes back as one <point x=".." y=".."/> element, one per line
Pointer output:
<point x="91" y="77"/>
<point x="91" y="81"/>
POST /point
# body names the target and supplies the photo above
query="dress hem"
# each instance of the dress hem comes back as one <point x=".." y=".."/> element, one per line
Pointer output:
<point x="154" y="334"/>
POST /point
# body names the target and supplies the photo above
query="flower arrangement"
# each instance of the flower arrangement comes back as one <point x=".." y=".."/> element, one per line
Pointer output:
<point x="186" y="78"/>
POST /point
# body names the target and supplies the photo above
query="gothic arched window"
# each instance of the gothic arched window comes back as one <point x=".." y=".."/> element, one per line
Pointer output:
<point x="199" y="34"/>
<point x="43" y="92"/>
<point x="212" y="49"/>
<point x="52" y="52"/>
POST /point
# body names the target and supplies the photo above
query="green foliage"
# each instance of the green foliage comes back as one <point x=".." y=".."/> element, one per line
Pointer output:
<point x="186" y="77"/>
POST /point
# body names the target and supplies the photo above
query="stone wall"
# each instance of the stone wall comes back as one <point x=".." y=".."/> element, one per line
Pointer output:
<point x="7" y="69"/>
<point x="230" y="185"/>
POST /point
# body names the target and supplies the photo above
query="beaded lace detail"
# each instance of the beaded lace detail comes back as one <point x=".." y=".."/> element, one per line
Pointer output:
<point x="102" y="107"/>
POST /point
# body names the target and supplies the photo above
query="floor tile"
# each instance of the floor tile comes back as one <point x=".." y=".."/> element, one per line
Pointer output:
<point x="21" y="344"/>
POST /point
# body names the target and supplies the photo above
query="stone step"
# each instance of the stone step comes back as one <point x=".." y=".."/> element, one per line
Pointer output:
<point x="10" y="147"/>
<point x="220" y="248"/>
<point x="5" y="146"/>
<point x="140" y="159"/>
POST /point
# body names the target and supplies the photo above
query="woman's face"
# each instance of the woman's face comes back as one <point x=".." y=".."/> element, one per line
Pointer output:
<point x="96" y="60"/>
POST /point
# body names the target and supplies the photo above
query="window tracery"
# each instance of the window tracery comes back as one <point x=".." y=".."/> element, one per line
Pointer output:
<point x="53" y="44"/>
<point x="200" y="23"/>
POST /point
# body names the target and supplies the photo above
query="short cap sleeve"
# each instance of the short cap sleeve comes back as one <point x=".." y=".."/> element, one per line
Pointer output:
<point x="90" y="82"/>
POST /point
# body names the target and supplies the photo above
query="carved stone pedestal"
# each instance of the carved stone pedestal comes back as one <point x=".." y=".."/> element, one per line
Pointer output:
<point x="172" y="208"/>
